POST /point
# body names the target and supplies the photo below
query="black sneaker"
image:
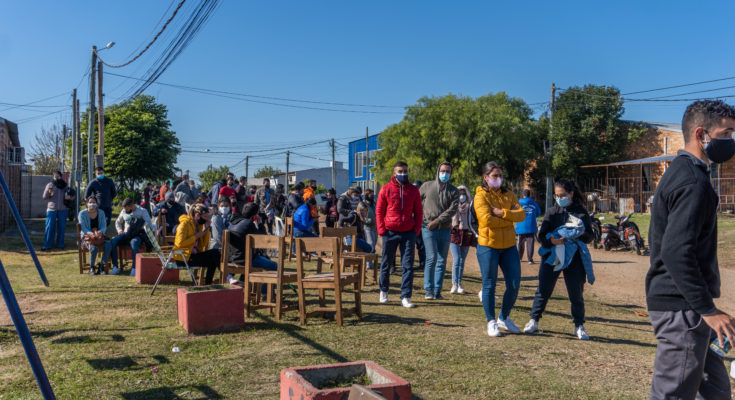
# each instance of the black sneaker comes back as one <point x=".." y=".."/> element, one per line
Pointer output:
<point x="438" y="297"/>
<point x="91" y="270"/>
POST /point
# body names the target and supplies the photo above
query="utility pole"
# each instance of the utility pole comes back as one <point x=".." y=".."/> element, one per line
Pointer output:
<point x="90" y="128"/>
<point x="73" y="178"/>
<point x="549" y="179"/>
<point x="100" y="158"/>
<point x="334" y="174"/>
<point x="367" y="158"/>
<point x="63" y="149"/>
<point x="288" y="155"/>
<point x="247" y="167"/>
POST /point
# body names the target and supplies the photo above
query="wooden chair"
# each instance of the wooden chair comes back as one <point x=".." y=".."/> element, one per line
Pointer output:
<point x="84" y="254"/>
<point x="336" y="280"/>
<point x="278" y="279"/>
<point x="288" y="236"/>
<point x="351" y="256"/>
<point x="164" y="238"/>
<point x="226" y="266"/>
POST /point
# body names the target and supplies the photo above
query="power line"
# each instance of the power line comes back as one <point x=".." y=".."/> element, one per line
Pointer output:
<point x="682" y="85"/>
<point x="149" y="44"/>
<point x="66" y="93"/>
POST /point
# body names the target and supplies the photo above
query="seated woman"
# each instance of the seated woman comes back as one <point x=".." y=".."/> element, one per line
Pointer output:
<point x="192" y="237"/>
<point x="93" y="222"/>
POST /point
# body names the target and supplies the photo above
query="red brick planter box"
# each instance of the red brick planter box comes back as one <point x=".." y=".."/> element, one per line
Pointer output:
<point x="203" y="309"/>
<point x="303" y="382"/>
<point x="148" y="267"/>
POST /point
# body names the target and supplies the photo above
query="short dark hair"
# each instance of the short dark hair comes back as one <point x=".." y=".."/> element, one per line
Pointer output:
<point x="311" y="201"/>
<point x="128" y="202"/>
<point x="526" y="193"/>
<point x="223" y="199"/>
<point x="299" y="186"/>
<point x="400" y="164"/>
<point x="312" y="180"/>
<point x="368" y="190"/>
<point x="705" y="113"/>
<point x="57" y="172"/>
<point x="230" y="173"/>
<point x="266" y="180"/>
<point x="91" y="198"/>
<point x="331" y="191"/>
<point x="249" y="210"/>
<point x="99" y="169"/>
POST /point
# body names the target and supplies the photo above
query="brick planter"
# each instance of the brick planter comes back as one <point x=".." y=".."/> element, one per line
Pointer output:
<point x="148" y="267"/>
<point x="303" y="382"/>
<point x="211" y="310"/>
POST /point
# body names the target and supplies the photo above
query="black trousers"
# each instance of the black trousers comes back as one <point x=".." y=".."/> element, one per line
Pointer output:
<point x="574" y="278"/>
<point x="208" y="259"/>
<point x="526" y="242"/>
<point x="421" y="250"/>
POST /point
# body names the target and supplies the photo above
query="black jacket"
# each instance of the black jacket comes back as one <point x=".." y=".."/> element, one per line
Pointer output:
<point x="102" y="189"/>
<point x="684" y="274"/>
<point x="294" y="201"/>
<point x="239" y="228"/>
<point x="557" y="216"/>
<point x="347" y="215"/>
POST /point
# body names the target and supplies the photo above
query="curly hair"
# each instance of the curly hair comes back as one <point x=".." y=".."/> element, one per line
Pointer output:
<point x="705" y="113"/>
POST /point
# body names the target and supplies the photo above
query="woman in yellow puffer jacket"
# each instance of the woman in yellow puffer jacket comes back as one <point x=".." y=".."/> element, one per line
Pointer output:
<point x="192" y="237"/>
<point x="497" y="209"/>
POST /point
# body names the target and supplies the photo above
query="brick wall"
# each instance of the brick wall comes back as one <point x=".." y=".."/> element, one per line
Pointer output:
<point x="11" y="173"/>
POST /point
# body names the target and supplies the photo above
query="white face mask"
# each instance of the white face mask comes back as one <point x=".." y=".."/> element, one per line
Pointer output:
<point x="462" y="198"/>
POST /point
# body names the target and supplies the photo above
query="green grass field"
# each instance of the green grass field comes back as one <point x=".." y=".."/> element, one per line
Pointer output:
<point x="103" y="337"/>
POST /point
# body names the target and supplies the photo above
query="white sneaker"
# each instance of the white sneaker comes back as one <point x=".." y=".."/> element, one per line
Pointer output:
<point x="429" y="295"/>
<point x="508" y="325"/>
<point x="492" y="329"/>
<point x="581" y="333"/>
<point x="233" y="280"/>
<point x="114" y="271"/>
<point x="383" y="297"/>
<point x="531" y="326"/>
<point x="453" y="290"/>
<point x="460" y="289"/>
<point x="406" y="302"/>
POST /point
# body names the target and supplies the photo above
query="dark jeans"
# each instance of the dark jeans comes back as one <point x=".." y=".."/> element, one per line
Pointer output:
<point x="574" y="278"/>
<point x="684" y="368"/>
<point x="422" y="251"/>
<point x="526" y="241"/>
<point x="108" y="216"/>
<point x="208" y="259"/>
<point x="123" y="239"/>
<point x="391" y="242"/>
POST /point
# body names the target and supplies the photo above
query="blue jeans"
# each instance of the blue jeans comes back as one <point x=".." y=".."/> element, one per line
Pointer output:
<point x="55" y="228"/>
<point x="371" y="236"/>
<point x="268" y="265"/>
<point x="93" y="250"/>
<point x="510" y="263"/>
<point x="391" y="242"/>
<point x="122" y="239"/>
<point x="360" y="245"/>
<point x="436" y="243"/>
<point x="459" y="254"/>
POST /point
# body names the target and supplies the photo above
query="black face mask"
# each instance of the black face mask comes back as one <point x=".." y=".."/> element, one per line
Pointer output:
<point x="201" y="221"/>
<point x="252" y="192"/>
<point x="170" y="201"/>
<point x="267" y="187"/>
<point x="720" y="150"/>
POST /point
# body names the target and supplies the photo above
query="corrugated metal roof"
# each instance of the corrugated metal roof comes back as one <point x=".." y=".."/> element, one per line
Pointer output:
<point x="647" y="160"/>
<point x="667" y="126"/>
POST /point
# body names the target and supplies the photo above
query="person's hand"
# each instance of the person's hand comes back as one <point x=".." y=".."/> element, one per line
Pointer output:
<point x="722" y="324"/>
<point x="164" y="211"/>
<point x="556" y="241"/>
<point x="67" y="197"/>
<point x="432" y="225"/>
<point x="498" y="212"/>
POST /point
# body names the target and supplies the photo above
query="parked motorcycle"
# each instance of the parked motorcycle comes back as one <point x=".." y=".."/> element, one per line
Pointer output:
<point x="597" y="230"/>
<point x="624" y="234"/>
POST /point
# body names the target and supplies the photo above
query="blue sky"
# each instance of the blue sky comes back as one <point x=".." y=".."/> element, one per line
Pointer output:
<point x="380" y="52"/>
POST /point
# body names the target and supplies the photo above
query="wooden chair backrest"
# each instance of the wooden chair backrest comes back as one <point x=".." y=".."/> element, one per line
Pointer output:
<point x="79" y="234"/>
<point x="342" y="233"/>
<point x="265" y="242"/>
<point x="289" y="227"/>
<point x="225" y="251"/>
<point x="318" y="245"/>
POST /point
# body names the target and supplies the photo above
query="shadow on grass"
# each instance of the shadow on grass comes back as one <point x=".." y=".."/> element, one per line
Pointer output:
<point x="88" y="339"/>
<point x="125" y="363"/>
<point x="292" y="330"/>
<point x="175" y="392"/>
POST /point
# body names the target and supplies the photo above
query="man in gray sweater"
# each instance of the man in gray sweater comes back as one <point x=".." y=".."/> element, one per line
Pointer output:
<point x="440" y="200"/>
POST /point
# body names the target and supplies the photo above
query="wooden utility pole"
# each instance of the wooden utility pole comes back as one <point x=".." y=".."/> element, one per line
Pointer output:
<point x="549" y="179"/>
<point x="247" y="167"/>
<point x="334" y="174"/>
<point x="74" y="132"/>
<point x="90" y="128"/>
<point x="100" y="158"/>
<point x="63" y="149"/>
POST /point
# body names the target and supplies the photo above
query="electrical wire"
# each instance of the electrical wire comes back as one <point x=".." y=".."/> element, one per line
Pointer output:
<point x="66" y="93"/>
<point x="149" y="44"/>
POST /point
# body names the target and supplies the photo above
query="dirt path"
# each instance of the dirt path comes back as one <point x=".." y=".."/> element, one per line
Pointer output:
<point x="620" y="277"/>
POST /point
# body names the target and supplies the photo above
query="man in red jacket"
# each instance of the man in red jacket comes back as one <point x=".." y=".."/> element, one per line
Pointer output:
<point x="398" y="215"/>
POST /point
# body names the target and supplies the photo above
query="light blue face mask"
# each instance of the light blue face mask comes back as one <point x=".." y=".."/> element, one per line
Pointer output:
<point x="100" y="176"/>
<point x="563" y="202"/>
<point x="444" y="177"/>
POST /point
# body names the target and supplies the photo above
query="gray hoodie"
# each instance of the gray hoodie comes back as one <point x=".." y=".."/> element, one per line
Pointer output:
<point x="440" y="203"/>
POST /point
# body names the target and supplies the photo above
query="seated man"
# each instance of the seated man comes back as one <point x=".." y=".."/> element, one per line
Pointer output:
<point x="242" y="225"/>
<point x="302" y="220"/>
<point x="130" y="230"/>
<point x="171" y="210"/>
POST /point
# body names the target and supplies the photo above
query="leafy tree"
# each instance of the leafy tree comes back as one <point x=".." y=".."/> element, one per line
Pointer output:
<point x="267" y="171"/>
<point x="46" y="150"/>
<point x="586" y="129"/>
<point x="139" y="144"/>
<point x="211" y="175"/>
<point x="465" y="131"/>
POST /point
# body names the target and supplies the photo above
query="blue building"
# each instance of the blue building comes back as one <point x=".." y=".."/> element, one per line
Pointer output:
<point x="360" y="163"/>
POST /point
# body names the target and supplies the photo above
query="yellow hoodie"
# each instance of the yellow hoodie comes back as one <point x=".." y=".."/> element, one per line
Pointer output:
<point x="185" y="237"/>
<point x="497" y="233"/>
